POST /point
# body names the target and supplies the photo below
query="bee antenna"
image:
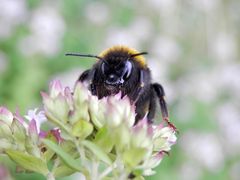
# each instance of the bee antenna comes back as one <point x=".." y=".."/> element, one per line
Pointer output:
<point x="138" y="54"/>
<point x="86" y="55"/>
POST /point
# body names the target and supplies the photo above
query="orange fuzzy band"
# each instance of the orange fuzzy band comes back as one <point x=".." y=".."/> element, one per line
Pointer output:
<point x="140" y="59"/>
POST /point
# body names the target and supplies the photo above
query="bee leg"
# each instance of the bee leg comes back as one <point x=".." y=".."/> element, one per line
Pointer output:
<point x="163" y="105"/>
<point x="89" y="75"/>
<point x="84" y="76"/>
<point x="140" y="87"/>
<point x="152" y="107"/>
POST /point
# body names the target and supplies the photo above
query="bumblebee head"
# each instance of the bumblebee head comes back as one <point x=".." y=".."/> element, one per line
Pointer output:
<point x="116" y="72"/>
<point x="119" y="63"/>
<point x="116" y="64"/>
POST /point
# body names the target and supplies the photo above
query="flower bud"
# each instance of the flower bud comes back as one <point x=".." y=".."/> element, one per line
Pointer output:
<point x="56" y="107"/>
<point x="55" y="88"/>
<point x="6" y="116"/>
<point x="97" y="109"/>
<point x="163" y="139"/>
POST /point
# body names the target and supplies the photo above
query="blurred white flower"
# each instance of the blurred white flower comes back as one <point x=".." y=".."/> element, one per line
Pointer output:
<point x="68" y="78"/>
<point x="200" y="85"/>
<point x="228" y="78"/>
<point x="163" y="6"/>
<point x="13" y="9"/>
<point x="47" y="28"/>
<point x="158" y="67"/>
<point x="121" y="36"/>
<point x="6" y="31"/>
<point x="12" y="12"/>
<point x="224" y="47"/>
<point x="166" y="49"/>
<point x="184" y="110"/>
<point x="205" y="5"/>
<point x="235" y="171"/>
<point x="190" y="171"/>
<point x="97" y="12"/>
<point x="204" y="87"/>
<point x="204" y="148"/>
<point x="138" y="31"/>
<point x="233" y="14"/>
<point x="207" y="86"/>
<point x="141" y="28"/>
<point x="228" y="118"/>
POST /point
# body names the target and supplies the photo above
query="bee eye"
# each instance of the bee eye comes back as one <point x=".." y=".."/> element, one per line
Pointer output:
<point x="104" y="68"/>
<point x="127" y="70"/>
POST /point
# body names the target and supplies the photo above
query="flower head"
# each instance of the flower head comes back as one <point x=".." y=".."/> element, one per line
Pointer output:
<point x="89" y="129"/>
<point x="110" y="123"/>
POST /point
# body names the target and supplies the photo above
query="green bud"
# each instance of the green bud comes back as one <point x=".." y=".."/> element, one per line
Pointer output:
<point x="82" y="129"/>
<point x="19" y="133"/>
<point x="5" y="131"/>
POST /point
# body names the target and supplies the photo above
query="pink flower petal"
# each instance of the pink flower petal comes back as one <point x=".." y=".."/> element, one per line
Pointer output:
<point x="44" y="95"/>
<point x="141" y="124"/>
<point x="53" y="132"/>
<point x="32" y="127"/>
<point x="5" y="111"/>
<point x="57" y="135"/>
<point x="18" y="116"/>
<point x="43" y="134"/>
<point x="6" y="115"/>
<point x="118" y="95"/>
<point x="56" y="86"/>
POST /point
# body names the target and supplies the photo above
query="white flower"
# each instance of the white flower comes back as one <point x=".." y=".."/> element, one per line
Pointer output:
<point x="38" y="116"/>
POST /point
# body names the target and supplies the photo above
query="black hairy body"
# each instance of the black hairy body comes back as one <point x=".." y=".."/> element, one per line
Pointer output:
<point x="124" y="69"/>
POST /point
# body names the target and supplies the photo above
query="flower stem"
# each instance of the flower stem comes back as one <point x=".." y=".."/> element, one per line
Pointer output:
<point x="107" y="171"/>
<point x="80" y="151"/>
<point x="94" y="173"/>
<point x="50" y="176"/>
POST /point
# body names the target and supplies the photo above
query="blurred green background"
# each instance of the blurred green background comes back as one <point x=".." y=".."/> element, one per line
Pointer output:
<point x="193" y="50"/>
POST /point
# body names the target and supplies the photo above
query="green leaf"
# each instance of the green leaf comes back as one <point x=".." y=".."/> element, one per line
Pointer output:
<point x="67" y="159"/>
<point x="82" y="129"/>
<point x="62" y="171"/>
<point x="133" y="156"/>
<point x="28" y="162"/>
<point x="97" y="151"/>
<point x="104" y="139"/>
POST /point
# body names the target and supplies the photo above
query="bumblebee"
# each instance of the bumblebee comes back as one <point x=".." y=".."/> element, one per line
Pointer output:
<point x="124" y="69"/>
